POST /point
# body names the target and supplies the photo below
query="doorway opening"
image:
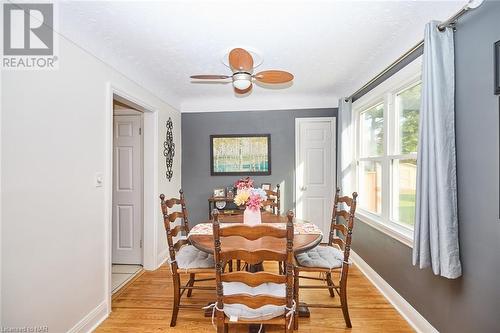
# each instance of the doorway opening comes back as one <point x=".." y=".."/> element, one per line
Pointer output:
<point x="147" y="258"/>
<point x="128" y="193"/>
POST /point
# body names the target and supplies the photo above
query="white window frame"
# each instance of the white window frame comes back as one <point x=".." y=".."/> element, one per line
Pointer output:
<point x="385" y="93"/>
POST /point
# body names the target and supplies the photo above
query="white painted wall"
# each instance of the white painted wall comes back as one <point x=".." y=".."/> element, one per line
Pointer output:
<point x="53" y="136"/>
<point x="1" y="246"/>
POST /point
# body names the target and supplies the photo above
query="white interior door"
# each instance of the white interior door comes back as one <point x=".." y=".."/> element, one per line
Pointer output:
<point x="315" y="170"/>
<point x="127" y="190"/>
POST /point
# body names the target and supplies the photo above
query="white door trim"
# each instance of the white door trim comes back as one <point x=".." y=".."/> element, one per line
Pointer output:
<point x="333" y="173"/>
<point x="150" y="183"/>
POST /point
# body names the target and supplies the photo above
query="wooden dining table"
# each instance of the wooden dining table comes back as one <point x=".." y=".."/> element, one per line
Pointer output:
<point x="301" y="242"/>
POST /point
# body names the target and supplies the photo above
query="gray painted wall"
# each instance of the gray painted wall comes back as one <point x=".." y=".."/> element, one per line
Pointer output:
<point x="196" y="130"/>
<point x="472" y="302"/>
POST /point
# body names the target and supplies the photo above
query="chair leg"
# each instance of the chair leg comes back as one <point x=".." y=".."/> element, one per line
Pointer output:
<point x="177" y="299"/>
<point x="221" y="326"/>
<point x="343" y="301"/>
<point x="296" y="297"/>
<point x="226" y="328"/>
<point x="330" y="284"/>
<point x="190" y="283"/>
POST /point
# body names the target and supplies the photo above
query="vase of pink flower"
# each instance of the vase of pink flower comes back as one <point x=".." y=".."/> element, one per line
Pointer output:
<point x="251" y="198"/>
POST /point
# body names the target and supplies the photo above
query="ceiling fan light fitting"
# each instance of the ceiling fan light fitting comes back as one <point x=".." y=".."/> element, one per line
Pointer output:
<point x="241" y="84"/>
<point x="242" y="81"/>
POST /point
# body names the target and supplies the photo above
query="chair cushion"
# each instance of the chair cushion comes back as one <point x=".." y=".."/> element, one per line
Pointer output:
<point x="244" y="312"/>
<point x="321" y="256"/>
<point x="190" y="257"/>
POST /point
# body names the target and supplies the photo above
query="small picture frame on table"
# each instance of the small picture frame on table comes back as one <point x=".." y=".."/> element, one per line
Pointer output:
<point x="496" y="59"/>
<point x="266" y="186"/>
<point x="219" y="193"/>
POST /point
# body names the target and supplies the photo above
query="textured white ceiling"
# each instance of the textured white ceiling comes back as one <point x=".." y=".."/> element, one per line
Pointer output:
<point x="332" y="47"/>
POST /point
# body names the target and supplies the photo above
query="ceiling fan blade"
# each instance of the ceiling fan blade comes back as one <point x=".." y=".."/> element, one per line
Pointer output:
<point x="240" y="60"/>
<point x="273" y="76"/>
<point x="210" y="77"/>
<point x="244" y="91"/>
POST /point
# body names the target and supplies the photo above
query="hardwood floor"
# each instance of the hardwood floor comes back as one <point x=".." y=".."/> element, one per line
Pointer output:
<point x="145" y="306"/>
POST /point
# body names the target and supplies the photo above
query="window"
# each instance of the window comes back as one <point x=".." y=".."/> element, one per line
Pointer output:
<point x="371" y="150"/>
<point x="404" y="161"/>
<point x="386" y="157"/>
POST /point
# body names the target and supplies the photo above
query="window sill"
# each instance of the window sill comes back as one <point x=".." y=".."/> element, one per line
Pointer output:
<point x="405" y="238"/>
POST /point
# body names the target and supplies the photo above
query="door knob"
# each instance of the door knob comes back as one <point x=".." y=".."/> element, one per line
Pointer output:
<point x="303" y="188"/>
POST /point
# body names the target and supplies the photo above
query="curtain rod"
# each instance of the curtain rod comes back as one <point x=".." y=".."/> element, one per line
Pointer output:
<point x="451" y="22"/>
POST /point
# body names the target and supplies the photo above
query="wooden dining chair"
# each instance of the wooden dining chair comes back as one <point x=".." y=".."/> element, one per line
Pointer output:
<point x="253" y="297"/>
<point x="329" y="258"/>
<point x="272" y="204"/>
<point x="184" y="258"/>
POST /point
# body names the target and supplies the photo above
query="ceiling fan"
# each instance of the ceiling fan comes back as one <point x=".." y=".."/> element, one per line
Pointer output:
<point x="241" y="63"/>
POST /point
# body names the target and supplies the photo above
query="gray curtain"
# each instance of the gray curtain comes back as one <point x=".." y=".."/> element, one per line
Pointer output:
<point x="436" y="223"/>
<point x="344" y="146"/>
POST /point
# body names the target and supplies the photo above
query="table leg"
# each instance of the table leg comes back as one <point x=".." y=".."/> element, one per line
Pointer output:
<point x="254" y="328"/>
<point x="256" y="268"/>
<point x="303" y="310"/>
<point x="208" y="312"/>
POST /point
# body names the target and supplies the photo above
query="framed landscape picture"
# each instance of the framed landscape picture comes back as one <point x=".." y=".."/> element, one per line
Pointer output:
<point x="240" y="154"/>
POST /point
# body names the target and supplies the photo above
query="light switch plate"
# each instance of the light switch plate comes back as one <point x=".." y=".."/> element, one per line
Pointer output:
<point x="99" y="179"/>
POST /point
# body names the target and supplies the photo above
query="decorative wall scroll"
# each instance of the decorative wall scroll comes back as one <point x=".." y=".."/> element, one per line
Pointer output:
<point x="169" y="149"/>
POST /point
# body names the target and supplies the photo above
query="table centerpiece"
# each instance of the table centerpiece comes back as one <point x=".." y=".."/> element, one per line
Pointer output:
<point x="251" y="198"/>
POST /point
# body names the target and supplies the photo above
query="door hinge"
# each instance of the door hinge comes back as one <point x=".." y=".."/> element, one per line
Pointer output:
<point x="140" y="131"/>
<point x="140" y="243"/>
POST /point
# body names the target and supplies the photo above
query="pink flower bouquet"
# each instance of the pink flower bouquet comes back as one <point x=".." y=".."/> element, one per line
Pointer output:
<point x="249" y="196"/>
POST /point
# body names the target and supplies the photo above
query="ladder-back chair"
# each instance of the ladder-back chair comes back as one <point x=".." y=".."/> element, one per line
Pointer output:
<point x="184" y="258"/>
<point x="272" y="204"/>
<point x="253" y="297"/>
<point x="330" y="258"/>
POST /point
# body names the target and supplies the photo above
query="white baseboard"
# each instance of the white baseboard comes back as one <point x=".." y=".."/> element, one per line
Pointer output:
<point x="90" y="322"/>
<point x="162" y="257"/>
<point x="415" y="319"/>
